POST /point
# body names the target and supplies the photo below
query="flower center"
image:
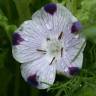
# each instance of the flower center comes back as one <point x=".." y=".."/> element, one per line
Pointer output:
<point x="54" y="47"/>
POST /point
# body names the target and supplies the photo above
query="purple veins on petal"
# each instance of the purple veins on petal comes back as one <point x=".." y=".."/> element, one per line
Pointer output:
<point x="16" y="39"/>
<point x="76" y="27"/>
<point x="50" y="8"/>
<point x="32" y="80"/>
<point x="74" y="70"/>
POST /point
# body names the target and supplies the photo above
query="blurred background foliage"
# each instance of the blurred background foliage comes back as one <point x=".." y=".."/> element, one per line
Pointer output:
<point x="12" y="14"/>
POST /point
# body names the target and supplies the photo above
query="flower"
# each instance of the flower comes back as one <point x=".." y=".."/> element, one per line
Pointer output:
<point x="51" y="42"/>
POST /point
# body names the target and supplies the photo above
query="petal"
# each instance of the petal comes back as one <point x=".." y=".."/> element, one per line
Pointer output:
<point x="74" y="49"/>
<point x="62" y="65"/>
<point x="74" y="67"/>
<point x="71" y="53"/>
<point x="47" y="76"/>
<point x="68" y="68"/>
<point x="75" y="43"/>
<point x="72" y="58"/>
<point x="39" y="73"/>
<point x="74" y="55"/>
<point x="55" y="23"/>
<point x="27" y="40"/>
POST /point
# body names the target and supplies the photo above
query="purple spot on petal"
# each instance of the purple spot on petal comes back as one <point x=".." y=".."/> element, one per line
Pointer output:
<point x="74" y="70"/>
<point x="32" y="80"/>
<point x="16" y="39"/>
<point x="50" y="8"/>
<point x="76" y="27"/>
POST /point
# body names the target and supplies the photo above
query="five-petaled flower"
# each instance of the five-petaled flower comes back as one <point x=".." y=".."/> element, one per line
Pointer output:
<point x="51" y="42"/>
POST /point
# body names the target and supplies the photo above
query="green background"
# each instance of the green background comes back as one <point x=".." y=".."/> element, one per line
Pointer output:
<point x="12" y="14"/>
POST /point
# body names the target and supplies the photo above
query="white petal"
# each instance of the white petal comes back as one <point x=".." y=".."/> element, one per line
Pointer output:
<point x="71" y="41"/>
<point x="45" y="73"/>
<point x="78" y="61"/>
<point x="74" y="48"/>
<point x="47" y="76"/>
<point x="76" y="64"/>
<point x="67" y="19"/>
<point x="64" y="65"/>
<point x="54" y="24"/>
<point x="33" y="37"/>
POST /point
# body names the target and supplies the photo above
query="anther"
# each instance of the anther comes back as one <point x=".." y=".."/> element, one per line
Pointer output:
<point x="60" y="36"/>
<point x="48" y="39"/>
<point x="52" y="60"/>
<point x="40" y="50"/>
<point x="61" y="52"/>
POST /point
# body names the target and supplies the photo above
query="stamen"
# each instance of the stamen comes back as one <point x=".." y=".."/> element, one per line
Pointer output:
<point x="41" y="50"/>
<point x="48" y="39"/>
<point x="61" y="52"/>
<point x="60" y="36"/>
<point x="52" y="60"/>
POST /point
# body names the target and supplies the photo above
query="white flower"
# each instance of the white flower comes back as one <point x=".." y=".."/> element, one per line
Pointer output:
<point x="49" y="43"/>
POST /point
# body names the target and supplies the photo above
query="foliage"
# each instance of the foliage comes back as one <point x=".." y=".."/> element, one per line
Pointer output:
<point x="12" y="14"/>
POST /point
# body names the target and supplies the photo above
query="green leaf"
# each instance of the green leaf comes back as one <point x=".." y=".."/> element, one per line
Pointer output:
<point x="87" y="12"/>
<point x="86" y="91"/>
<point x="90" y="33"/>
<point x="9" y="29"/>
<point x="22" y="7"/>
<point x="2" y="57"/>
<point x="5" y="77"/>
